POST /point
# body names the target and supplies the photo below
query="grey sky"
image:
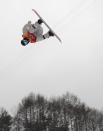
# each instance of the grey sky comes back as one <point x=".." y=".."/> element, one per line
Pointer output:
<point x="48" y="67"/>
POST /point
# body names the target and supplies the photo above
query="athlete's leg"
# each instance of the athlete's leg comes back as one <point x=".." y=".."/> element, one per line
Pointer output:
<point x="45" y="36"/>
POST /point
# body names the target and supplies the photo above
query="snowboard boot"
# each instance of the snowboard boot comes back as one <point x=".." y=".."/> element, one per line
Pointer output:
<point x="51" y="33"/>
<point x="40" y="21"/>
<point x="48" y="34"/>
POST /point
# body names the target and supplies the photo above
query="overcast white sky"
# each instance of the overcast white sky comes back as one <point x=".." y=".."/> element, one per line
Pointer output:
<point x="48" y="67"/>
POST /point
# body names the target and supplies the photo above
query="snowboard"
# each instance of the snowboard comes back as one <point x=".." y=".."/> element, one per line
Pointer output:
<point x="47" y="25"/>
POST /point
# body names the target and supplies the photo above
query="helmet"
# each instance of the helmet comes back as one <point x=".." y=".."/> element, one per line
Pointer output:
<point x="24" y="42"/>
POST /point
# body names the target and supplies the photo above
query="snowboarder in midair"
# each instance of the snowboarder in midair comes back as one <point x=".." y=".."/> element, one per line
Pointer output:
<point x="34" y="32"/>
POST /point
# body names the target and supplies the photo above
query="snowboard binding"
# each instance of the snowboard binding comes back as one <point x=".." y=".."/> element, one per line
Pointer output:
<point x="51" y="33"/>
<point x="40" y="21"/>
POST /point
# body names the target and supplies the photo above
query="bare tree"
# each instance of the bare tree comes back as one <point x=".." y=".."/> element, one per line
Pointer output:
<point x="65" y="113"/>
<point x="5" y="120"/>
